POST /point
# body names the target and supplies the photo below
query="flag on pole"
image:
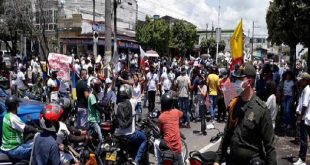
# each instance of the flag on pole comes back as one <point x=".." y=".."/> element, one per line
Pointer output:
<point x="236" y="46"/>
<point x="142" y="54"/>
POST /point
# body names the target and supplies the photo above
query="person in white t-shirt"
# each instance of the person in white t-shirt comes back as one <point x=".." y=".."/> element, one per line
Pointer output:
<point x="53" y="86"/>
<point x="271" y="101"/>
<point x="288" y="93"/>
<point x="152" y="79"/>
<point x="21" y="83"/>
<point x="137" y="94"/>
<point x="303" y="112"/>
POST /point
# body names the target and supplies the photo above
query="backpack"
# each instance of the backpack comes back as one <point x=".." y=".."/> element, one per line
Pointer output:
<point x="123" y="114"/>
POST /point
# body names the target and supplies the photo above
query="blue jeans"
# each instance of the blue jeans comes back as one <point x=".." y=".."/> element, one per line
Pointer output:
<point x="21" y="152"/>
<point x="139" y="140"/>
<point x="213" y="103"/>
<point x="304" y="133"/>
<point x="158" y="153"/>
<point x="184" y="106"/>
<point x="82" y="118"/>
<point x="287" y="112"/>
<point x="138" y="110"/>
<point x="95" y="127"/>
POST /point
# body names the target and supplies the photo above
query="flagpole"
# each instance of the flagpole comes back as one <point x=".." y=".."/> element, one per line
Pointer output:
<point x="218" y="38"/>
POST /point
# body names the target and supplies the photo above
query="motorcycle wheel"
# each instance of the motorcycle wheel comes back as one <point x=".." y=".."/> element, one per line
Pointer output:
<point x="184" y="150"/>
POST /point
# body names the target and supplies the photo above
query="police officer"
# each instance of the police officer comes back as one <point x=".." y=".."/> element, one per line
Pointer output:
<point x="248" y="133"/>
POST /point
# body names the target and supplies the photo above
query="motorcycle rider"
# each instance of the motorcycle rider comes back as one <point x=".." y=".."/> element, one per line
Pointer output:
<point x="125" y="118"/>
<point x="45" y="147"/>
<point x="169" y="120"/>
<point x="53" y="86"/>
<point x="12" y="132"/>
<point x="94" y="108"/>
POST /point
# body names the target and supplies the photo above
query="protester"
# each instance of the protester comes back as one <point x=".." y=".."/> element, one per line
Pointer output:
<point x="183" y="85"/>
<point x="213" y="82"/>
<point x="82" y="92"/>
<point x="152" y="81"/>
<point x="303" y="112"/>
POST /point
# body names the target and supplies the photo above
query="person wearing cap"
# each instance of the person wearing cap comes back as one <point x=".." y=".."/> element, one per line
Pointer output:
<point x="248" y="132"/>
<point x="107" y="97"/>
<point x="12" y="132"/>
<point x="303" y="116"/>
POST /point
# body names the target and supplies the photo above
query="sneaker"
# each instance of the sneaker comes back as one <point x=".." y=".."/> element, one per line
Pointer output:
<point x="299" y="162"/>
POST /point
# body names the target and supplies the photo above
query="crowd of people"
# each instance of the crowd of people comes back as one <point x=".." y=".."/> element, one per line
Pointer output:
<point x="190" y="90"/>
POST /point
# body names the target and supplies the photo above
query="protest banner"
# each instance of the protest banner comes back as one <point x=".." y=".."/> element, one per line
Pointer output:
<point x="61" y="63"/>
<point x="229" y="91"/>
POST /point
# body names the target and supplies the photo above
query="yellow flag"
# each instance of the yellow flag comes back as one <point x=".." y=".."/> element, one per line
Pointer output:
<point x="236" y="43"/>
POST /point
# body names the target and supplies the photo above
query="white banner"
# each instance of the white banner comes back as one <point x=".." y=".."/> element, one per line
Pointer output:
<point x="61" y="63"/>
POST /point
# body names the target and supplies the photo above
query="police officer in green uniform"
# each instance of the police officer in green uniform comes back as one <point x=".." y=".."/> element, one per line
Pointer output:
<point x="249" y="133"/>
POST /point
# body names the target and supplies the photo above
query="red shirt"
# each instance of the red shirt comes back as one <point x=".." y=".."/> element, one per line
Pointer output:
<point x="169" y="124"/>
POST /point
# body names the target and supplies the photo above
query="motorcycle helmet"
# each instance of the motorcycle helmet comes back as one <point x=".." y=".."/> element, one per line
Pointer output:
<point x="166" y="101"/>
<point x="96" y="85"/>
<point x="125" y="91"/>
<point x="50" y="116"/>
<point x="53" y="72"/>
<point x="12" y="102"/>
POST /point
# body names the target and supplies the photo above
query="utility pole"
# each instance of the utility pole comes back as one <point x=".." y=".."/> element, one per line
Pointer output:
<point x="218" y="33"/>
<point x="252" y="48"/>
<point x="108" y="32"/>
<point x="94" y="31"/>
<point x="115" y="26"/>
<point x="206" y="31"/>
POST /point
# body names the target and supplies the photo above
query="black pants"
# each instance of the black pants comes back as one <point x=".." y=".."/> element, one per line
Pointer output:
<point x="221" y="108"/>
<point x="202" y="114"/>
<point x="151" y="98"/>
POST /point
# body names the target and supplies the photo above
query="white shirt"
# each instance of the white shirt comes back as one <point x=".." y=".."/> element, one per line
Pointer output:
<point x="54" y="94"/>
<point x="272" y="106"/>
<point x="167" y="84"/>
<point x="136" y="92"/>
<point x="304" y="102"/>
<point x="152" y="81"/>
<point x="19" y="80"/>
<point x="288" y="87"/>
<point x="35" y="66"/>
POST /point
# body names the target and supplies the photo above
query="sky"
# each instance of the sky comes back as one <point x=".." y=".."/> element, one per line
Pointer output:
<point x="203" y="12"/>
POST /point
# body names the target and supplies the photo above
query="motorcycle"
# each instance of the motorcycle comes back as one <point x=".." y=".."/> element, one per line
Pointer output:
<point x="152" y="131"/>
<point x="205" y="157"/>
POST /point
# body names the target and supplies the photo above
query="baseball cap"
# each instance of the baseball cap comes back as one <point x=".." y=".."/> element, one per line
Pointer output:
<point x="246" y="69"/>
<point x="303" y="75"/>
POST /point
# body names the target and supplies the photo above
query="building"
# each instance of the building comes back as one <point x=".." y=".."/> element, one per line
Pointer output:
<point x="70" y="24"/>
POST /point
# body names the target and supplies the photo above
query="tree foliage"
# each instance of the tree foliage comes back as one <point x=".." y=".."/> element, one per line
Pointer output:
<point x="184" y="36"/>
<point x="159" y="35"/>
<point x="288" y="22"/>
<point x="209" y="46"/>
<point x="155" y="34"/>
<point x="16" y="19"/>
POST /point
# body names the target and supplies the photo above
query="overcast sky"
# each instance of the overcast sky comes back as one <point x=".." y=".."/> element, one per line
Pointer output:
<point x="202" y="12"/>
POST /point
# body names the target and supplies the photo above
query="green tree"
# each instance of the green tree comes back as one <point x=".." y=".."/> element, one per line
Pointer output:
<point x="288" y="23"/>
<point x="16" y="19"/>
<point x="210" y="44"/>
<point x="154" y="34"/>
<point x="184" y="36"/>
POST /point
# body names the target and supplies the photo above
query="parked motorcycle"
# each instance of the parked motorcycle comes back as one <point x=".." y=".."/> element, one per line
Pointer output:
<point x="207" y="157"/>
